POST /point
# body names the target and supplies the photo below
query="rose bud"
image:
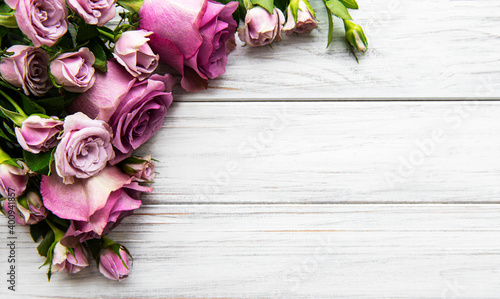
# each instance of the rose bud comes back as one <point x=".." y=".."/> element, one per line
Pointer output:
<point x="84" y="149"/>
<point x="27" y="209"/>
<point x="74" y="71"/>
<point x="27" y="68"/>
<point x="355" y="36"/>
<point x="261" y="27"/>
<point x="64" y="260"/>
<point x="43" y="21"/>
<point x="13" y="180"/>
<point x="95" y="12"/>
<point x="133" y="52"/>
<point x="38" y="134"/>
<point x="142" y="169"/>
<point x="301" y="21"/>
<point x="114" y="266"/>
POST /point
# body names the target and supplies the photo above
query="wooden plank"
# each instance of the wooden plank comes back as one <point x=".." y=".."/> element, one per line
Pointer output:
<point x="329" y="152"/>
<point x="290" y="251"/>
<point x="418" y="50"/>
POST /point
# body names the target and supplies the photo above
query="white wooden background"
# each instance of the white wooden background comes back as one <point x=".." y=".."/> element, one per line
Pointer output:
<point x="302" y="174"/>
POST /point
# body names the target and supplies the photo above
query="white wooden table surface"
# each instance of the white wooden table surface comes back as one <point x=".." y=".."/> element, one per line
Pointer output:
<point x="302" y="174"/>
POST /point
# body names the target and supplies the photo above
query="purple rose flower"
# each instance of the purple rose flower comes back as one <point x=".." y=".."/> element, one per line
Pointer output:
<point x="306" y="20"/>
<point x="195" y="43"/>
<point x="27" y="209"/>
<point x="113" y="266"/>
<point x="38" y="134"/>
<point x="63" y="260"/>
<point x="135" y="55"/>
<point x="27" y="68"/>
<point x="84" y="149"/>
<point x="135" y="110"/>
<point x="142" y="169"/>
<point x="74" y="71"/>
<point x="94" y="12"/>
<point x="261" y="27"/>
<point x="43" y="21"/>
<point x="13" y="180"/>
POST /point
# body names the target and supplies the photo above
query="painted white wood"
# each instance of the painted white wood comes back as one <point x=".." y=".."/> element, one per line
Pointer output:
<point x="328" y="152"/>
<point x="291" y="251"/>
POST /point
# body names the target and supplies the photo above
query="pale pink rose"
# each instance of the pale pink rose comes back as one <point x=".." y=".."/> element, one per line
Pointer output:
<point x="113" y="266"/>
<point x="133" y="52"/>
<point x="94" y="12"/>
<point x="142" y="169"/>
<point x="13" y="180"/>
<point x="34" y="211"/>
<point x="64" y="261"/>
<point x="74" y="71"/>
<point x="261" y="27"/>
<point x="305" y="20"/>
<point x="38" y="134"/>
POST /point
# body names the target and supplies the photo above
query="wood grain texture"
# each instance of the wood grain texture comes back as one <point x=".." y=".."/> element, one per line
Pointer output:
<point x="328" y="152"/>
<point x="292" y="251"/>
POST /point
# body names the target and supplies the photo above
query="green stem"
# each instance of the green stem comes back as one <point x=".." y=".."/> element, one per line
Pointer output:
<point x="3" y="156"/>
<point x="107" y="242"/>
<point x="19" y="110"/>
<point x="107" y="35"/>
<point x="58" y="234"/>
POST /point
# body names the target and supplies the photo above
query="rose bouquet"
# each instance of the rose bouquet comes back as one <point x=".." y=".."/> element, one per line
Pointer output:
<point x="78" y="97"/>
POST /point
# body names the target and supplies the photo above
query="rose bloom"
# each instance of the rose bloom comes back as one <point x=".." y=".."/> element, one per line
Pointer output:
<point x="84" y="149"/>
<point x="33" y="213"/>
<point x="38" y="134"/>
<point x="94" y="12"/>
<point x="113" y="266"/>
<point x="191" y="36"/>
<point x="135" y="55"/>
<point x="142" y="169"/>
<point x="63" y="260"/>
<point x="43" y="21"/>
<point x="261" y="27"/>
<point x="305" y="20"/>
<point x="27" y="68"/>
<point x="135" y="110"/>
<point x="13" y="180"/>
<point x="74" y="71"/>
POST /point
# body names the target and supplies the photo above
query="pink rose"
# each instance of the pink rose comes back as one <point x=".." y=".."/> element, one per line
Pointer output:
<point x="142" y="169"/>
<point x="38" y="134"/>
<point x="134" y="54"/>
<point x="94" y="12"/>
<point x="84" y="149"/>
<point x="191" y="36"/>
<point x="113" y="266"/>
<point x="27" y="68"/>
<point x="13" y="180"/>
<point x="27" y="209"/>
<point x="261" y="27"/>
<point x="305" y="20"/>
<point x="135" y="110"/>
<point x="43" y="21"/>
<point x="74" y="71"/>
<point x="64" y="260"/>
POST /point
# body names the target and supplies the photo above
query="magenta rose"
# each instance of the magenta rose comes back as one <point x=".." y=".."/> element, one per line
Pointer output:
<point x="43" y="21"/>
<point x="190" y="36"/>
<point x="84" y="149"/>
<point x="135" y="55"/>
<point x="135" y="110"/>
<point x="27" y="209"/>
<point x="65" y="261"/>
<point x="13" y="180"/>
<point x="114" y="266"/>
<point x="74" y="71"/>
<point x="38" y="134"/>
<point x="261" y="27"/>
<point x="94" y="12"/>
<point x="27" y="68"/>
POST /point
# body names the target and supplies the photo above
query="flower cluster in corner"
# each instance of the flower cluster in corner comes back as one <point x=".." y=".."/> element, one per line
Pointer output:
<point x="78" y="97"/>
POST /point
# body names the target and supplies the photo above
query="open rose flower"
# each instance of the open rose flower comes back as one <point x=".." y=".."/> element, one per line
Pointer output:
<point x="94" y="12"/>
<point x="38" y="134"/>
<point x="27" y="209"/>
<point x="74" y="71"/>
<point x="306" y="20"/>
<point x="135" y="110"/>
<point x="135" y="55"/>
<point x="13" y="180"/>
<point x="84" y="149"/>
<point x="43" y="21"/>
<point x="261" y="27"/>
<point x="113" y="266"/>
<point x="27" y="68"/>
<point x="191" y="36"/>
<point x="64" y="260"/>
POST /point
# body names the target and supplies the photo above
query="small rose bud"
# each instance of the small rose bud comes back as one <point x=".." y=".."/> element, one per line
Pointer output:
<point x="74" y="71"/>
<point x="142" y="169"/>
<point x="261" y="27"/>
<point x="38" y="134"/>
<point x="63" y="260"/>
<point x="27" y="209"/>
<point x="306" y="18"/>
<point x="13" y="180"/>
<point x="114" y="266"/>
<point x="133" y="52"/>
<point x="355" y="36"/>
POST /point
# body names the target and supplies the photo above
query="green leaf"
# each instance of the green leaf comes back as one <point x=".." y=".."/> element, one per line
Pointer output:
<point x="31" y="107"/>
<point x="100" y="55"/>
<point x="39" y="163"/>
<point x="338" y="9"/>
<point x="4" y="136"/>
<point x="39" y="229"/>
<point x="86" y="32"/>
<point x="9" y="129"/>
<point x="330" y="29"/>
<point x="46" y="244"/>
<point x="267" y="4"/>
<point x="95" y="246"/>
<point x="8" y="20"/>
<point x="281" y="4"/>
<point x="350" y="4"/>
<point x="131" y="5"/>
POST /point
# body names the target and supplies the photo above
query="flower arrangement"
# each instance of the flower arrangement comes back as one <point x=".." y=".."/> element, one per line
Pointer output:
<point x="78" y="97"/>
